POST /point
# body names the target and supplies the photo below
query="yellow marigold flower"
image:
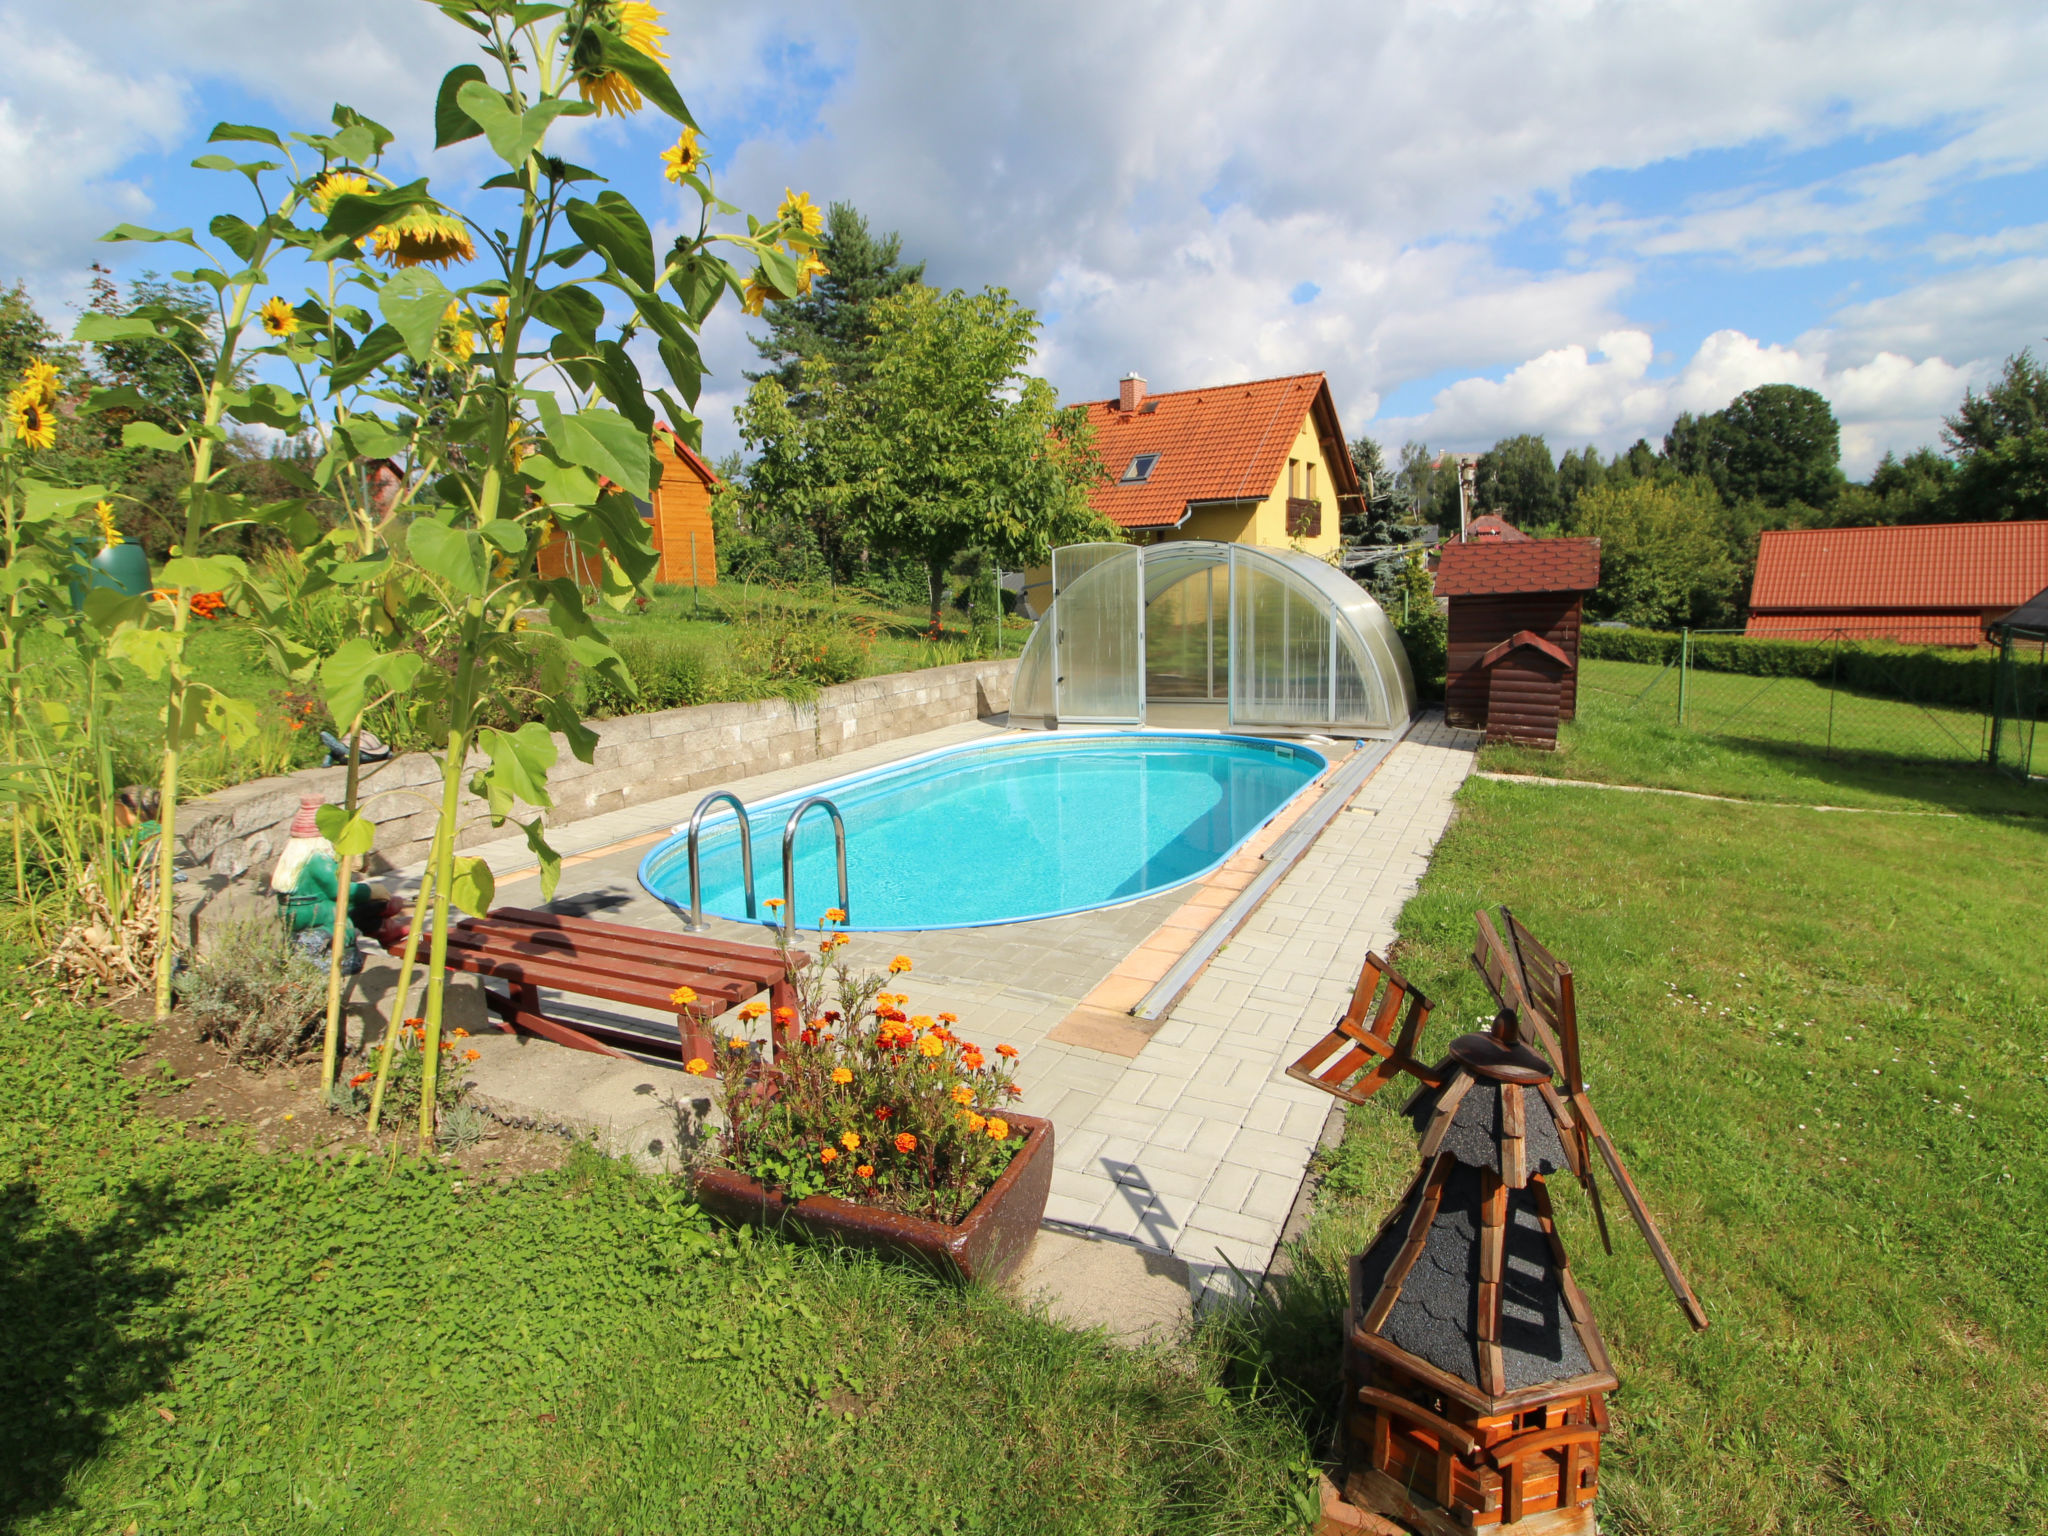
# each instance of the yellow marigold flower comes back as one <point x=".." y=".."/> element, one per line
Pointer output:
<point x="735" y="1045"/>
<point x="962" y="1094"/>
<point x="931" y="1047"/>
<point x="998" y="1128"/>
<point x="834" y="915"/>
<point x="43" y="375"/>
<point x="277" y="317"/>
<point x="684" y="156"/>
<point x="807" y="269"/>
<point x="338" y="184"/>
<point x="682" y="997"/>
<point x="109" y="534"/>
<point x="899" y="965"/>
<point x="974" y="1122"/>
<point x="753" y="1010"/>
<point x="756" y="295"/>
<point x="850" y="1141"/>
<point x="422" y="236"/>
<point x="696" y="1066"/>
<point x="33" y="422"/>
<point x="798" y="206"/>
<point x="841" y="1076"/>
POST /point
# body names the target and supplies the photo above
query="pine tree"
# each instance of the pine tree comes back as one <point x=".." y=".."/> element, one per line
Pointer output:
<point x="832" y="324"/>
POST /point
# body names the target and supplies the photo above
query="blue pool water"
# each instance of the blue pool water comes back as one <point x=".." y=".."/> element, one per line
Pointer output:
<point x="997" y="834"/>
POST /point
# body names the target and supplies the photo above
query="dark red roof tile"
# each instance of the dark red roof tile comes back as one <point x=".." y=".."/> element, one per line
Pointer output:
<point x="1916" y="567"/>
<point x="1523" y="565"/>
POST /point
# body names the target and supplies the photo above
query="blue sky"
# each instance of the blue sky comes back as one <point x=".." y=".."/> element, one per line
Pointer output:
<point x="1576" y="218"/>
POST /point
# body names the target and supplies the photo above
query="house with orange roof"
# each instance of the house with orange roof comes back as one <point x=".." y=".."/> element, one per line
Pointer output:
<point x="1263" y="462"/>
<point x="1920" y="584"/>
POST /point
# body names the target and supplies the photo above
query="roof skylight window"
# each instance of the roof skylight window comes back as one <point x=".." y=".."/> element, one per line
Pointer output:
<point x="1140" y="469"/>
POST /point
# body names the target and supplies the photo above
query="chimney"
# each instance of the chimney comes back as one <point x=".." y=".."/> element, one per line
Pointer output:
<point x="1130" y="392"/>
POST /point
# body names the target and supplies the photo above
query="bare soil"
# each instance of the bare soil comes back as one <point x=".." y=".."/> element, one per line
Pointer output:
<point x="194" y="1083"/>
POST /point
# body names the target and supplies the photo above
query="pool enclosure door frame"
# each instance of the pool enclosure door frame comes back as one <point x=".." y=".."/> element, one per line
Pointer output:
<point x="1098" y="678"/>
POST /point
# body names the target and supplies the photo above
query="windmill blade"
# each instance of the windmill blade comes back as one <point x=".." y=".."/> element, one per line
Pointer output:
<point x="1547" y="981"/>
<point x="1503" y="976"/>
<point x="1632" y="1198"/>
<point x="1592" y="1188"/>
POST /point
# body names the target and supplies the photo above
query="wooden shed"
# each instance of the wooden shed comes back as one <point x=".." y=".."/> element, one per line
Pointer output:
<point x="679" y="519"/>
<point x="1499" y="588"/>
<point x="1526" y="678"/>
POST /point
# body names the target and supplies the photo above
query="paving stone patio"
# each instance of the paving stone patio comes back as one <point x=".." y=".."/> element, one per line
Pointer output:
<point x="1195" y="1146"/>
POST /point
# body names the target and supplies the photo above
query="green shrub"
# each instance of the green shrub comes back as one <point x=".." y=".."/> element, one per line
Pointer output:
<point x="670" y="670"/>
<point x="254" y="990"/>
<point x="1925" y="674"/>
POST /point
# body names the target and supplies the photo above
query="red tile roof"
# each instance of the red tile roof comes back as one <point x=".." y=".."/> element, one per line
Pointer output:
<point x="1225" y="443"/>
<point x="1523" y="565"/>
<point x="1906" y="628"/>
<point x="1487" y="526"/>
<point x="1981" y="567"/>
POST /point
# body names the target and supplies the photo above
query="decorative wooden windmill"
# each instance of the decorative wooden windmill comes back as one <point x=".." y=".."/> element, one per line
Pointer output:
<point x="1475" y="1378"/>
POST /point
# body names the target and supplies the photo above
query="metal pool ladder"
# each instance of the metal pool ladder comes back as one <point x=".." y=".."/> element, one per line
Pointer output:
<point x="697" y="924"/>
<point x="789" y="861"/>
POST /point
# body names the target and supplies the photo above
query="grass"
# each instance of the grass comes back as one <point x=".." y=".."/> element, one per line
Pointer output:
<point x="1821" y="1042"/>
<point x="1767" y="739"/>
<point x="203" y="1338"/>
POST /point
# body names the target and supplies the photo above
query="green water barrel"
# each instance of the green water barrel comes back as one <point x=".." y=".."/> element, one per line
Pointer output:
<point x="122" y="566"/>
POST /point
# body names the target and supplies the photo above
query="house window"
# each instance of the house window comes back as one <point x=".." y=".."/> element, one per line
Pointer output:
<point x="1311" y="482"/>
<point x="1140" y="469"/>
<point x="1293" y="477"/>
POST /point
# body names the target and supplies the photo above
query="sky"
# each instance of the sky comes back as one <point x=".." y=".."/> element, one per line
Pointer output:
<point x="1577" y="218"/>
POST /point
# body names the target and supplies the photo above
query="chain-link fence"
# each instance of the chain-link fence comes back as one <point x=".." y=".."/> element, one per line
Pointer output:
<point x="2019" y="699"/>
<point x="1827" y="693"/>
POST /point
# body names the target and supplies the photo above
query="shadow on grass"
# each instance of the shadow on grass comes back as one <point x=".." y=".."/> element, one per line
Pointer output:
<point x="1969" y="787"/>
<point x="85" y="1331"/>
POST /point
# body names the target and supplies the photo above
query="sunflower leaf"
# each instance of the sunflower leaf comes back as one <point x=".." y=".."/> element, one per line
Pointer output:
<point x="648" y="74"/>
<point x="603" y="441"/>
<point x="414" y="301"/>
<point x="513" y="136"/>
<point x="137" y="232"/>
<point x="451" y="124"/>
<point x="243" y="133"/>
<point x="615" y="227"/>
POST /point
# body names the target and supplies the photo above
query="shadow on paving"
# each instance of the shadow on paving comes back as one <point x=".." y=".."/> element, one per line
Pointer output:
<point x="84" y="1331"/>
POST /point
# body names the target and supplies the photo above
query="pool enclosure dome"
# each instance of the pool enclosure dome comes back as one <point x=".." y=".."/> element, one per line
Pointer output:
<point x="1196" y="634"/>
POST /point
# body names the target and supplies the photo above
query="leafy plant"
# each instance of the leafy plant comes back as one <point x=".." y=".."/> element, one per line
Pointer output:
<point x="865" y="1101"/>
<point x="253" y="989"/>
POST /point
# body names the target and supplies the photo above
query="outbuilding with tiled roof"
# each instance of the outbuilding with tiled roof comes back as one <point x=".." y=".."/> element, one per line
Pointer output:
<point x="1515" y="608"/>
<point x="1920" y="584"/>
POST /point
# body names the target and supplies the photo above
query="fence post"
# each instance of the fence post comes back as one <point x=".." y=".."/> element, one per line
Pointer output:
<point x="693" y="573"/>
<point x="1834" y="686"/>
<point x="1684" y="669"/>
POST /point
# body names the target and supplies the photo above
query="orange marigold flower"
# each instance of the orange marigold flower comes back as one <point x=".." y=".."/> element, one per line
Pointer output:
<point x="851" y="1141"/>
<point x="774" y="904"/>
<point x="360" y="1078"/>
<point x="974" y="1121"/>
<point x="462" y="1034"/>
<point x="841" y="1076"/>
<point x="447" y="1045"/>
<point x="905" y="1142"/>
<point x="962" y="1094"/>
<point x="922" y="1021"/>
<point x="998" y="1128"/>
<point x="753" y="1010"/>
<point x="828" y="1155"/>
<point x="949" y="1018"/>
<point x="931" y="1046"/>
<point x="1006" y="1050"/>
<point x="866" y="1170"/>
<point x="784" y="1015"/>
<point x="735" y="1044"/>
<point x="835" y="915"/>
<point x="899" y="965"/>
<point x="972" y="1059"/>
<point x="883" y="1111"/>
<point x="1013" y="1090"/>
<point x="696" y="1066"/>
<point x="471" y="1055"/>
<point x="682" y="997"/>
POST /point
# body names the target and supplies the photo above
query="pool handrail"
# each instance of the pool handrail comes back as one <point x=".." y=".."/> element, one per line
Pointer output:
<point x="789" y="862"/>
<point x="697" y="923"/>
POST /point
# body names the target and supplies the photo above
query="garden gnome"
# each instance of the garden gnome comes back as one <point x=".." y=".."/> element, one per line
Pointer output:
<point x="306" y="882"/>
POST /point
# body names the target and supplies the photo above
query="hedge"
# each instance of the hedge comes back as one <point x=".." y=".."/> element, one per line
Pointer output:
<point x="1924" y="674"/>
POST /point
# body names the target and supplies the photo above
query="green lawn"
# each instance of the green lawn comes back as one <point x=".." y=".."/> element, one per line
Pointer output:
<point x="1821" y="1042"/>
<point x="1768" y="739"/>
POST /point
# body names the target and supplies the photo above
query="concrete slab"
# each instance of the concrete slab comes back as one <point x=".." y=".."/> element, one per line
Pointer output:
<point x="653" y="1115"/>
<point x="1135" y="1295"/>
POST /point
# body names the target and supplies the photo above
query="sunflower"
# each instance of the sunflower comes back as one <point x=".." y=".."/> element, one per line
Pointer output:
<point x="684" y="156"/>
<point x="422" y="235"/>
<point x="501" y="308"/>
<point x="278" y="318"/>
<point x="43" y="376"/>
<point x="757" y="294"/>
<point x="799" y="207"/>
<point x="807" y="269"/>
<point x="109" y="534"/>
<point x="455" y="341"/>
<point x="335" y="184"/>
<point x="33" y="423"/>
<point x="638" y="25"/>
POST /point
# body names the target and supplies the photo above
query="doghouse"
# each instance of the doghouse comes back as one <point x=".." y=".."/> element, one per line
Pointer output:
<point x="1500" y="589"/>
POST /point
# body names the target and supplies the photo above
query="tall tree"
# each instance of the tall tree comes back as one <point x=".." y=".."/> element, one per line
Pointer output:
<point x="1778" y="444"/>
<point x="834" y="322"/>
<point x="1665" y="556"/>
<point x="953" y="446"/>
<point x="2000" y="443"/>
<point x="1373" y="520"/>
<point x="1577" y="473"/>
<point x="1517" y="479"/>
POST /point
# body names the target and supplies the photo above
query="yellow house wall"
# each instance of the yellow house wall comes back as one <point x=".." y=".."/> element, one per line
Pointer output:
<point x="1269" y="522"/>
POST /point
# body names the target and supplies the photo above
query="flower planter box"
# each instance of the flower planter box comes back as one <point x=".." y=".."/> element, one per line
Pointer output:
<point x="987" y="1244"/>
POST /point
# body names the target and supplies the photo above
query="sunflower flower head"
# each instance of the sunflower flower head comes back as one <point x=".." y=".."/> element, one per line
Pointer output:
<point x="683" y="157"/>
<point x="33" y="422"/>
<point x="422" y="236"/>
<point x="338" y="184"/>
<point x="638" y="25"/>
<point x="756" y="295"/>
<point x="797" y="208"/>
<point x="807" y="269"/>
<point x="277" y="316"/>
<point x="109" y="534"/>
<point x="43" y="375"/>
<point x="500" y="309"/>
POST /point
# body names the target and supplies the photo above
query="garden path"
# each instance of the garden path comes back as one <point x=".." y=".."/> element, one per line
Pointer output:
<point x="1197" y="1145"/>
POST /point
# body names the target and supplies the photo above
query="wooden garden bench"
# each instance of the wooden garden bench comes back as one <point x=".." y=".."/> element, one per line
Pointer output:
<point x="530" y="949"/>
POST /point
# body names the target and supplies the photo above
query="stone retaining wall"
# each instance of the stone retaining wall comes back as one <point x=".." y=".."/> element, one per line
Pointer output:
<point x="638" y="757"/>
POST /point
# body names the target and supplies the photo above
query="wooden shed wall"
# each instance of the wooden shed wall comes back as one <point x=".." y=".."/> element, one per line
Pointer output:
<point x="682" y="507"/>
<point x="1478" y="624"/>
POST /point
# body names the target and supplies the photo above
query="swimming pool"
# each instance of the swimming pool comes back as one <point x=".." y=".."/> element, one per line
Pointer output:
<point x="1005" y="832"/>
